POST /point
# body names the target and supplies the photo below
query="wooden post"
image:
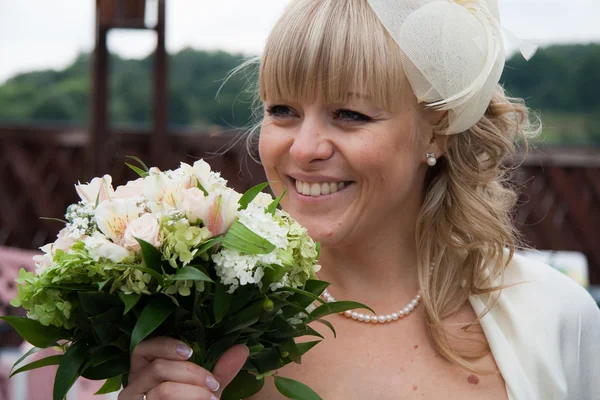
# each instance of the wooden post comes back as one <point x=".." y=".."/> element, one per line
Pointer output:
<point x="99" y="127"/>
<point x="160" y="104"/>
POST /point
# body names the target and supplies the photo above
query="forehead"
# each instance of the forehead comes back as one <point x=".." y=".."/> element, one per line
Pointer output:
<point x="331" y="51"/>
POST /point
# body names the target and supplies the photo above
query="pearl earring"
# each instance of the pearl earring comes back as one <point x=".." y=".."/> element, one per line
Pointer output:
<point x="431" y="160"/>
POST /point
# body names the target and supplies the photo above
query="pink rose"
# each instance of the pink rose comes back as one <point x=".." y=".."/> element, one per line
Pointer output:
<point x="193" y="204"/>
<point x="146" y="228"/>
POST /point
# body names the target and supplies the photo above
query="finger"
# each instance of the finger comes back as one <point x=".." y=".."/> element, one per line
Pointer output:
<point x="170" y="391"/>
<point x="158" y="347"/>
<point x="230" y="363"/>
<point x="178" y="391"/>
<point x="183" y="372"/>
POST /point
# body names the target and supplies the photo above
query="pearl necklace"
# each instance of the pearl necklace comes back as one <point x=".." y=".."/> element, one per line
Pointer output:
<point x="381" y="319"/>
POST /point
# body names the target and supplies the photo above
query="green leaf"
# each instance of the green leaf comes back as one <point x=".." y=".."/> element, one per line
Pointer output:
<point x="97" y="303"/>
<point x="144" y="166"/>
<point x="295" y="390"/>
<point x="251" y="194"/>
<point x="103" y="283"/>
<point x="137" y="170"/>
<point x="240" y="238"/>
<point x="189" y="273"/>
<point x="108" y="369"/>
<point x="273" y="206"/>
<point x="209" y="244"/>
<point x="254" y="346"/>
<point x="51" y="360"/>
<point x="154" y="314"/>
<point x="327" y="324"/>
<point x="292" y="350"/>
<point x="269" y="360"/>
<point x="244" y="318"/>
<point x="243" y="386"/>
<point x="111" y="385"/>
<point x="199" y="185"/>
<point x="314" y="297"/>
<point x="150" y="255"/>
<point x="334" y="308"/>
<point x="34" y="332"/>
<point x="273" y="273"/>
<point x="221" y="302"/>
<point x="306" y="346"/>
<point x="68" y="369"/>
<point x="31" y="351"/>
<point x="130" y="300"/>
<point x="315" y="286"/>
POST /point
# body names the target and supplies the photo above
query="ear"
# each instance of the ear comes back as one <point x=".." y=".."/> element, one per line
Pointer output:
<point x="436" y="143"/>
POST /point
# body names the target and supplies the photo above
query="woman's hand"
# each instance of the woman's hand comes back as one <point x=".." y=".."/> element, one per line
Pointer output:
<point x="160" y="370"/>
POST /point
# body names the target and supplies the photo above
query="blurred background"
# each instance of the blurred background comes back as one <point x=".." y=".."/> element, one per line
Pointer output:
<point x="85" y="83"/>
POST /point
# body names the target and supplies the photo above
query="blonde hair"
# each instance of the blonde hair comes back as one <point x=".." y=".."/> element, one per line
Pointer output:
<point x="321" y="48"/>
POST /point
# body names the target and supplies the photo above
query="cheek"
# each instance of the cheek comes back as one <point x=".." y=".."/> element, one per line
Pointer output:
<point x="270" y="147"/>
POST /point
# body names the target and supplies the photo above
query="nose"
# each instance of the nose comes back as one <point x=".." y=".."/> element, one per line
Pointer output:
<point x="311" y="143"/>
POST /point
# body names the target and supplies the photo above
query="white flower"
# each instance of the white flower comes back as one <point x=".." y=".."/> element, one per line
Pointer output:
<point x="146" y="228"/>
<point x="45" y="260"/>
<point x="192" y="204"/>
<point x="160" y="190"/>
<point x="263" y="199"/>
<point x="98" y="190"/>
<point x="264" y="225"/>
<point x="114" y="216"/>
<point x="98" y="246"/>
<point x="219" y="211"/>
<point x="129" y="190"/>
<point x="64" y="240"/>
<point x="200" y="171"/>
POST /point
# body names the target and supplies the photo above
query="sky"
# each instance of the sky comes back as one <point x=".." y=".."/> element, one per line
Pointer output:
<point x="42" y="34"/>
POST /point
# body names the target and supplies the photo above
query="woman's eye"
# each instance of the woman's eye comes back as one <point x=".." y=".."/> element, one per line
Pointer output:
<point x="279" y="111"/>
<point x="351" y="116"/>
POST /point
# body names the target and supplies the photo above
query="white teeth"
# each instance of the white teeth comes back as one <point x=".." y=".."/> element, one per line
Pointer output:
<point x="319" y="189"/>
<point x="305" y="189"/>
<point x="315" y="189"/>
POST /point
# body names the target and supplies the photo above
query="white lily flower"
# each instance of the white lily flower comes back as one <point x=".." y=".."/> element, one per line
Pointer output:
<point x="98" y="190"/>
<point x="113" y="217"/>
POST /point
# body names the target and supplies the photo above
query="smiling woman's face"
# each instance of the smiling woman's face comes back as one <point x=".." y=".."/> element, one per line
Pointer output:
<point x="349" y="169"/>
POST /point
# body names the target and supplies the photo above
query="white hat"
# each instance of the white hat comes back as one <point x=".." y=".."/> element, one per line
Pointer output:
<point x="453" y="53"/>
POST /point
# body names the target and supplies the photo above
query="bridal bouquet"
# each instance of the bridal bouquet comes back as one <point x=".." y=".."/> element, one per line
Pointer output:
<point x="175" y="253"/>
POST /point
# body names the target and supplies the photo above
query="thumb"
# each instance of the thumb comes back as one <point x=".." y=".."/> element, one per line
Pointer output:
<point x="228" y="366"/>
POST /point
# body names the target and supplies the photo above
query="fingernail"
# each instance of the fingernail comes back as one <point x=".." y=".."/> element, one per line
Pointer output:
<point x="213" y="397"/>
<point x="212" y="383"/>
<point x="184" y="350"/>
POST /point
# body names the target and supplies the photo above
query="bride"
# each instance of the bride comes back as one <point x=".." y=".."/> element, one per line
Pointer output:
<point x="385" y="121"/>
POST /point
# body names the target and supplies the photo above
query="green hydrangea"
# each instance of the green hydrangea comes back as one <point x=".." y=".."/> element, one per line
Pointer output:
<point x="181" y="240"/>
<point x="48" y="296"/>
<point x="303" y="250"/>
